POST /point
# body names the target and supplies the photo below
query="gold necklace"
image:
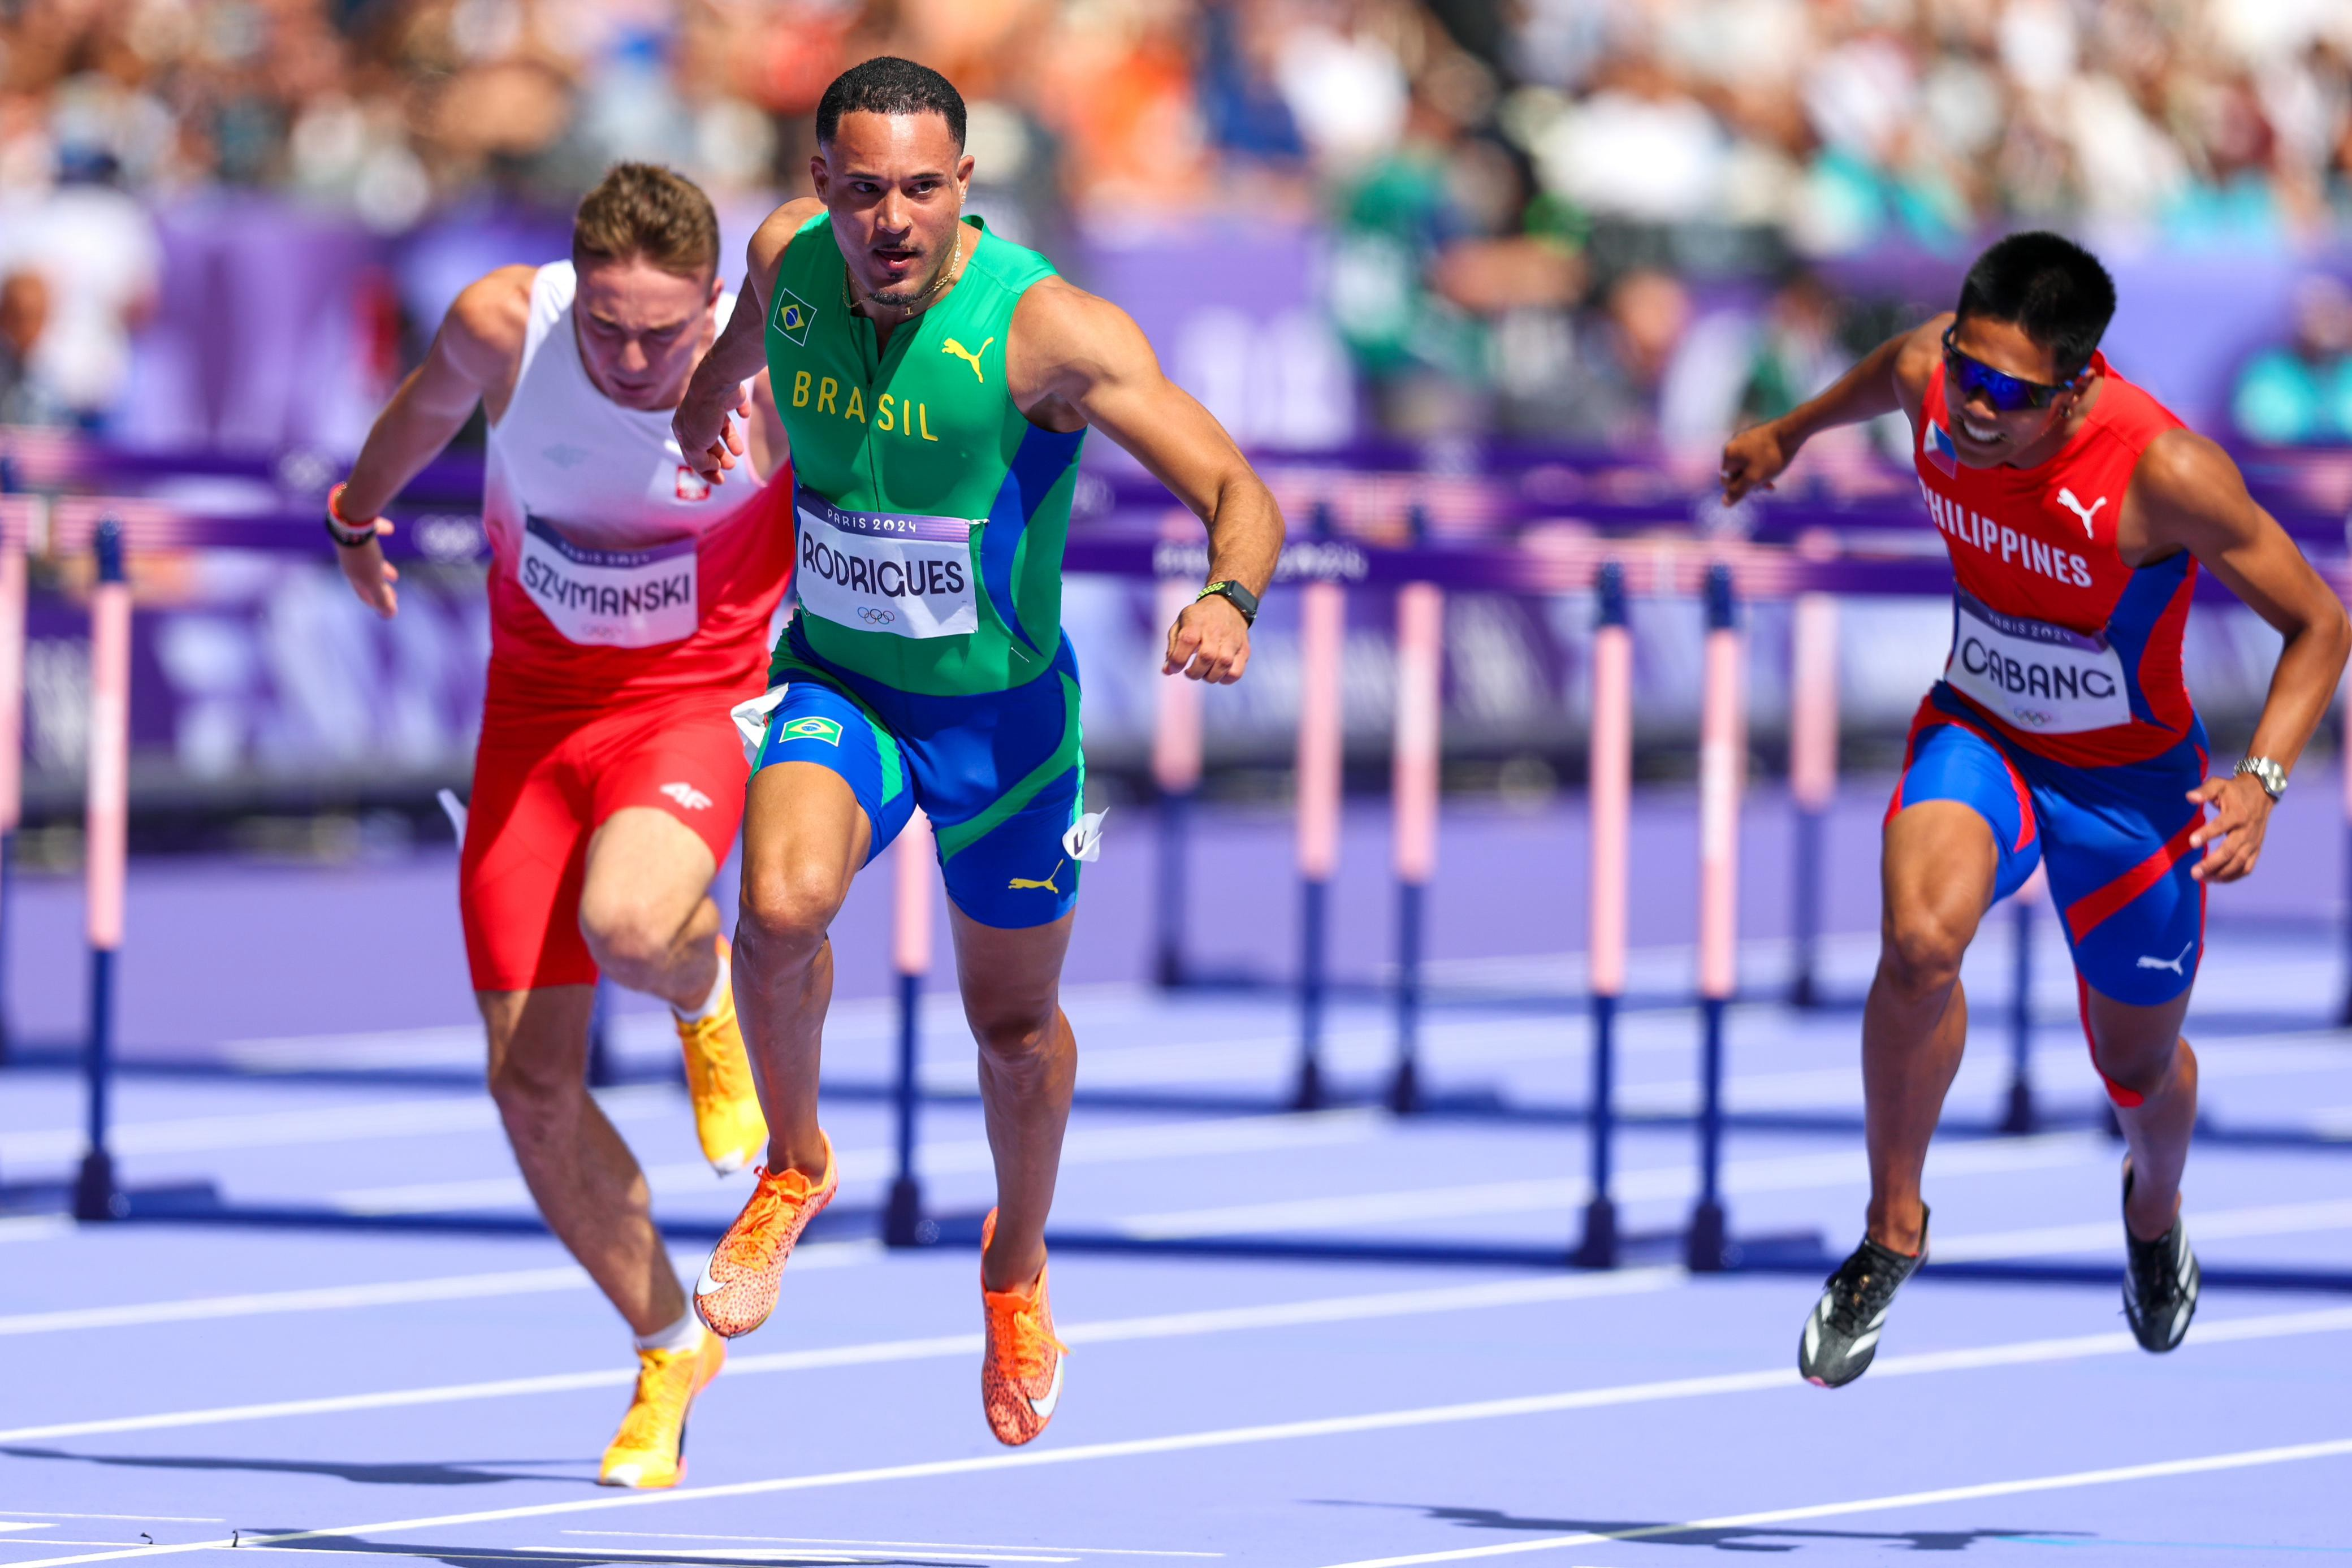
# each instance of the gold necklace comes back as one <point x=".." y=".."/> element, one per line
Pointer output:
<point x="849" y="294"/>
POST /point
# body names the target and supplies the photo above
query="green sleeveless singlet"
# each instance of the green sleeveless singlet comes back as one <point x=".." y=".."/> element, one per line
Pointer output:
<point x="933" y="514"/>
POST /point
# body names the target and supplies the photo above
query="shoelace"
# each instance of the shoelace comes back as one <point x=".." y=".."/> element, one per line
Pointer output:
<point x="1028" y="1337"/>
<point x="1858" y="1291"/>
<point x="757" y="1236"/>
<point x="2155" y="1274"/>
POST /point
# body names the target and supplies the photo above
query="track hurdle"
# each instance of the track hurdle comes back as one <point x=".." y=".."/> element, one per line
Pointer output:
<point x="1722" y="767"/>
<point x="1813" y="778"/>
<point x="2344" y="765"/>
<point x="1176" y="781"/>
<point x="1610" y="770"/>
<point x="903" y="1224"/>
<point x="2018" y="1114"/>
<point x="107" y="818"/>
<point x="1414" y="783"/>
<point x="1323" y="629"/>
<point x="12" y="725"/>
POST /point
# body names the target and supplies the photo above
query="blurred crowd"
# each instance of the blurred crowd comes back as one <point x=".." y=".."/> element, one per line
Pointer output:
<point x="1520" y="190"/>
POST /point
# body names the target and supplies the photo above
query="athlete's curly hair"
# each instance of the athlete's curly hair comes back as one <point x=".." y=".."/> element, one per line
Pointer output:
<point x="889" y="85"/>
<point x="2049" y="286"/>
<point x="643" y="210"/>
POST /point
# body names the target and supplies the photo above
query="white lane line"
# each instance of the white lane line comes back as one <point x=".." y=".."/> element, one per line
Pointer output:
<point x="34" y="1226"/>
<point x="853" y="1541"/>
<point x="2099" y="1235"/>
<point x="447" y="1288"/>
<point x="1084" y="1146"/>
<point x="19" y="1524"/>
<point x="1780" y="1174"/>
<point x="2023" y="1353"/>
<point x="331" y="1298"/>
<point x="133" y="1518"/>
<point x="375" y="1119"/>
<point x="2244" y="1458"/>
<point x="1168" y="1325"/>
<point x="771" y="1555"/>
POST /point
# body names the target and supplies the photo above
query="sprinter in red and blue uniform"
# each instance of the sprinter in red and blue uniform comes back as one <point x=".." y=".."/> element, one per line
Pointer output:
<point x="2078" y="512"/>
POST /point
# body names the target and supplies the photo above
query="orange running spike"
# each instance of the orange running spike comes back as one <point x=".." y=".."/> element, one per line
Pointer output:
<point x="739" y="1285"/>
<point x="1021" y="1367"/>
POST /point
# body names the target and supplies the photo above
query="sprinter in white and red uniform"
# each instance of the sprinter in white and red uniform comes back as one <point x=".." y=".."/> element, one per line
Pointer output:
<point x="629" y="608"/>
<point x="2078" y="512"/>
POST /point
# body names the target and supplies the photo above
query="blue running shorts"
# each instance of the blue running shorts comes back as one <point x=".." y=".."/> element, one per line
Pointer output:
<point x="1001" y="774"/>
<point x="2115" y="841"/>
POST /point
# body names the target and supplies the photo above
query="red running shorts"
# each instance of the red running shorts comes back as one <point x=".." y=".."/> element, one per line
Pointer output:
<point x="542" y="789"/>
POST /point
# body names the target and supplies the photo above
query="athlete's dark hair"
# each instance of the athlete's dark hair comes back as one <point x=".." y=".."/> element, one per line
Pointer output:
<point x="2049" y="286"/>
<point x="645" y="210"/>
<point x="889" y="85"/>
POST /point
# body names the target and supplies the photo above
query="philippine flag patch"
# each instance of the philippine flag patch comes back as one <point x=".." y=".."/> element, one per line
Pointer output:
<point x="1937" y="444"/>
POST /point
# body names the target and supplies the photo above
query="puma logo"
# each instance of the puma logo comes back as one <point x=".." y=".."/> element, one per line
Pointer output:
<point x="1024" y="885"/>
<point x="968" y="355"/>
<point x="2150" y="960"/>
<point x="2067" y="498"/>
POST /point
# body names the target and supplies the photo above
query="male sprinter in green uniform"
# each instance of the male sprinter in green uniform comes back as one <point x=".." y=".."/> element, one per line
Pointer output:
<point x="935" y="383"/>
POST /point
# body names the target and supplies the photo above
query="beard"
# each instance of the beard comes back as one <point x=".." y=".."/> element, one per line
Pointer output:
<point x="912" y="290"/>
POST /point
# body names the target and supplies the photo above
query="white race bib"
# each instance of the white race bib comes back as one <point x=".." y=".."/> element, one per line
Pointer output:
<point x="2039" y="677"/>
<point x="878" y="572"/>
<point x="610" y="598"/>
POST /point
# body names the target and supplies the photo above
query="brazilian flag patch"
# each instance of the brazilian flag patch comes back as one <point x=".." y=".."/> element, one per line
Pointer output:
<point x="813" y="728"/>
<point x="793" y="315"/>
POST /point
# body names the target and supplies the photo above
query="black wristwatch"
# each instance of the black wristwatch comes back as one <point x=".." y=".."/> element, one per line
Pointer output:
<point x="1233" y="593"/>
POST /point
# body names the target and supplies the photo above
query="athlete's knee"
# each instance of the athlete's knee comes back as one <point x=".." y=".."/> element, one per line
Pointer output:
<point x="786" y="911"/>
<point x="1921" y="946"/>
<point x="2142" y="1066"/>
<point x="537" y="1094"/>
<point x="1015" y="1033"/>
<point x="626" y="935"/>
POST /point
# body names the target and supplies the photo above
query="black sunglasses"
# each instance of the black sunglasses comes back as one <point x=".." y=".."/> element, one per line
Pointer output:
<point x="2006" y="393"/>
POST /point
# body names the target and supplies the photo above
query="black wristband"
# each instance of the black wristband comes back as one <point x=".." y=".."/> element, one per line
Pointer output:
<point x="1235" y="594"/>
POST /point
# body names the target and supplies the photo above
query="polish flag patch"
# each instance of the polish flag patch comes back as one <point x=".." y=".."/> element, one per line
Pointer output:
<point x="692" y="485"/>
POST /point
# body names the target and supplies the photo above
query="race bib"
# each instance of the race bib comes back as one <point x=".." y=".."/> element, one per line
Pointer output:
<point x="2038" y="676"/>
<point x="877" y="571"/>
<point x="613" y="598"/>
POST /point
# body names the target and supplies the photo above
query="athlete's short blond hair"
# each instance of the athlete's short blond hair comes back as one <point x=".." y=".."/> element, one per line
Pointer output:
<point x="643" y="210"/>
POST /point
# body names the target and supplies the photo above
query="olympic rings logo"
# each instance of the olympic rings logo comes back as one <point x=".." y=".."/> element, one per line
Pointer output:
<point x="2033" y="717"/>
<point x="873" y="615"/>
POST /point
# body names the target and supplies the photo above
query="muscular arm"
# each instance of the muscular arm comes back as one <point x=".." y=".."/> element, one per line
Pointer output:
<point x="704" y="433"/>
<point x="473" y="357"/>
<point x="1892" y="376"/>
<point x="2187" y="494"/>
<point x="1073" y="359"/>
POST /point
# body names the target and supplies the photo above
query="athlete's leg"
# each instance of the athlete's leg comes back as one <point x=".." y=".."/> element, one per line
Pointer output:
<point x="805" y="835"/>
<point x="1011" y="983"/>
<point x="584" y="1179"/>
<point x="646" y="906"/>
<point x="1940" y="866"/>
<point x="2139" y="1049"/>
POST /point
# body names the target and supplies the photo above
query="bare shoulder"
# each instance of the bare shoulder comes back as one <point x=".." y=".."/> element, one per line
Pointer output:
<point x="2189" y="475"/>
<point x="1919" y="361"/>
<point x="775" y="231"/>
<point x="1059" y="326"/>
<point x="488" y="326"/>
<point x="491" y="315"/>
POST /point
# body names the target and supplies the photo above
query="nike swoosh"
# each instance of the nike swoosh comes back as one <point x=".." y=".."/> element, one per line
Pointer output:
<point x="707" y="1286"/>
<point x="1043" y="1408"/>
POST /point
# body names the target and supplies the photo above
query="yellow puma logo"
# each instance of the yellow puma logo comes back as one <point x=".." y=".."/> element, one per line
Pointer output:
<point x="967" y="356"/>
<point x="1022" y="884"/>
